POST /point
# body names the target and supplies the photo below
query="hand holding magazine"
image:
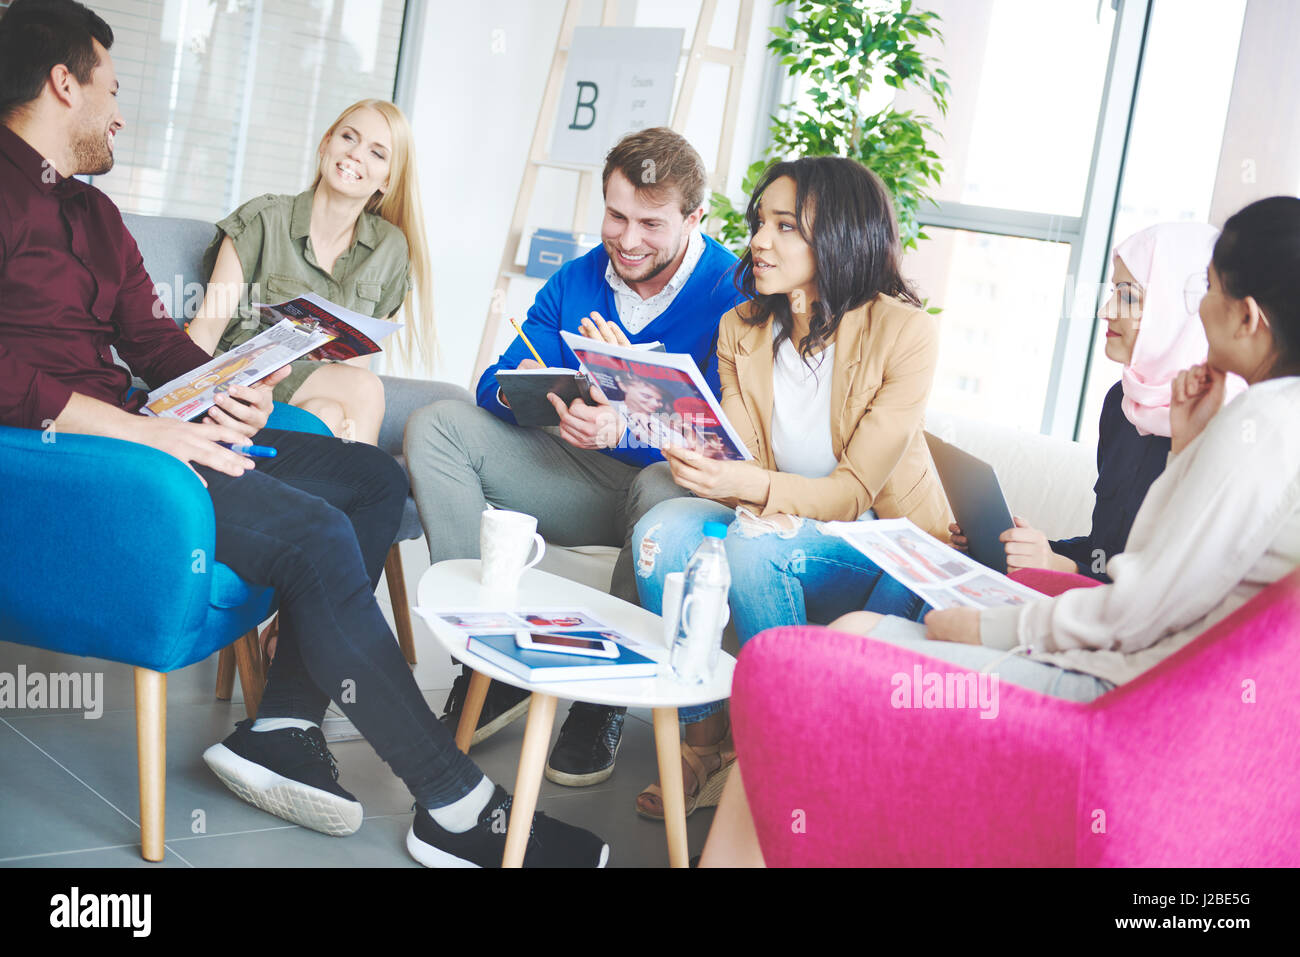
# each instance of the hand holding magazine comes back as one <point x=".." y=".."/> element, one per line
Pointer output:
<point x="940" y="574"/>
<point x="661" y="398"/>
<point x="308" y="326"/>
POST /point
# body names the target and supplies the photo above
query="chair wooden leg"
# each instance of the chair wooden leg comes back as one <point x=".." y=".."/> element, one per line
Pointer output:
<point x="401" y="607"/>
<point x="252" y="679"/>
<point x="151" y="745"/>
<point x="225" y="674"/>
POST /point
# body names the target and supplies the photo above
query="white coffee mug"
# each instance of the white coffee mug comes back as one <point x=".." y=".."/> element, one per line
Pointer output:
<point x="505" y="538"/>
<point x="674" y="582"/>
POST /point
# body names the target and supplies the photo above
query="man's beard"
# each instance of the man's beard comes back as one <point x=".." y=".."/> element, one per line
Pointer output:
<point x="92" y="155"/>
<point x="657" y="264"/>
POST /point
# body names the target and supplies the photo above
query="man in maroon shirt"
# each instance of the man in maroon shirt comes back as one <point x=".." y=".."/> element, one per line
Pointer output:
<point x="314" y="523"/>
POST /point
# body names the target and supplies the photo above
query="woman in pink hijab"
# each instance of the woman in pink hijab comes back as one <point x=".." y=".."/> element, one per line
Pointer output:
<point x="1152" y="329"/>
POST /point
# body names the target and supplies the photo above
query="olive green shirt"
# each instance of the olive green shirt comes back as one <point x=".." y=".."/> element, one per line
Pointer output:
<point x="270" y="235"/>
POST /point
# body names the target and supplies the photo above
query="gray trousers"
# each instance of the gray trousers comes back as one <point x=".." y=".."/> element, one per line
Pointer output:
<point x="1042" y="676"/>
<point x="461" y="458"/>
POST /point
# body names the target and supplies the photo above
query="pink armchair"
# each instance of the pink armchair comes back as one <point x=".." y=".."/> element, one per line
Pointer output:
<point x="1195" y="763"/>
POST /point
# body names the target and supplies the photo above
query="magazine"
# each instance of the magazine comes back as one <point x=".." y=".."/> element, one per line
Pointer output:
<point x="550" y="620"/>
<point x="940" y="574"/>
<point x="661" y="398"/>
<point x="307" y="327"/>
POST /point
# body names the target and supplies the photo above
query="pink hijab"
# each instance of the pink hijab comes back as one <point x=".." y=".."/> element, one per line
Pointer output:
<point x="1169" y="339"/>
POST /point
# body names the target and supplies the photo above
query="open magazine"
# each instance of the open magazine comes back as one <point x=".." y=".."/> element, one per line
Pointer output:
<point x="661" y="397"/>
<point x="307" y="327"/>
<point x="477" y="622"/>
<point x="940" y="574"/>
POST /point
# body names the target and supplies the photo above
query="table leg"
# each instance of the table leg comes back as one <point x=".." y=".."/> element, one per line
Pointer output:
<point x="471" y="709"/>
<point x="532" y="760"/>
<point x="668" y="745"/>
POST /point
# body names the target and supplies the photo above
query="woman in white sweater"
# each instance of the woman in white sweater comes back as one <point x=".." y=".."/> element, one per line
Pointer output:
<point x="1219" y="525"/>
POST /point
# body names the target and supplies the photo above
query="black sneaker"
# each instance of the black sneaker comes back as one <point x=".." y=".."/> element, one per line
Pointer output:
<point x="504" y="703"/>
<point x="289" y="773"/>
<point x="588" y="743"/>
<point x="551" y="843"/>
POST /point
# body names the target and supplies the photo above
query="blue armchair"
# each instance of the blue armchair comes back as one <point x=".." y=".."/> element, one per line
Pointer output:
<point x="118" y="540"/>
<point x="173" y="255"/>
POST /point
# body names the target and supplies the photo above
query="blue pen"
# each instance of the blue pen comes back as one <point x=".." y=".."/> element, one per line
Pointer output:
<point x="256" y="451"/>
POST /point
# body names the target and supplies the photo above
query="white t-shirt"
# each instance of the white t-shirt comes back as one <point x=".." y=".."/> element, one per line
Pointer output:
<point x="801" y="412"/>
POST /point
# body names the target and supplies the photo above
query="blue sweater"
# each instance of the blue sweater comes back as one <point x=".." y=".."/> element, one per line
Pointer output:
<point x="689" y="324"/>
<point x="1127" y="464"/>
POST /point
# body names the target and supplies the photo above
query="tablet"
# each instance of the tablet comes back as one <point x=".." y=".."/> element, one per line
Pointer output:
<point x="976" y="499"/>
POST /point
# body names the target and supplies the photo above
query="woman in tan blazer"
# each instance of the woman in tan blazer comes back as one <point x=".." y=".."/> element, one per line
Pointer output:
<point x="825" y="375"/>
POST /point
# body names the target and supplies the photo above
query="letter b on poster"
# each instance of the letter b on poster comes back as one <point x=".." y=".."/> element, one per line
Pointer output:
<point x="618" y="80"/>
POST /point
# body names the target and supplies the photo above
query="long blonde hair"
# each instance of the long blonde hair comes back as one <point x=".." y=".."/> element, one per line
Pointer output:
<point x="400" y="205"/>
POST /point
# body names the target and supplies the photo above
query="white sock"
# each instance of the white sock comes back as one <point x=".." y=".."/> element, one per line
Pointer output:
<point x="279" y="724"/>
<point x="459" y="816"/>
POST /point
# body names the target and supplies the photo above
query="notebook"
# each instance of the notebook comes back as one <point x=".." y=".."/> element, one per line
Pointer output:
<point x="541" y="666"/>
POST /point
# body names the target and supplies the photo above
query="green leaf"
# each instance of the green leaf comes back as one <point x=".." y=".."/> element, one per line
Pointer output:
<point x="834" y="46"/>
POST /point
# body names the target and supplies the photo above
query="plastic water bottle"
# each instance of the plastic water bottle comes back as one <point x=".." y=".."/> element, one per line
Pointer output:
<point x="704" y="610"/>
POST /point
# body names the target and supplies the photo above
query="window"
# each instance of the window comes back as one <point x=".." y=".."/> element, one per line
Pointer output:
<point x="1174" y="143"/>
<point x="1027" y="81"/>
<point x="228" y="99"/>
<point x="1027" y="86"/>
<point x="1001" y="298"/>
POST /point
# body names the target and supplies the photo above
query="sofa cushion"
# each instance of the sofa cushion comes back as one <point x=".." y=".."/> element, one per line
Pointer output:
<point x="173" y="256"/>
<point x="591" y="565"/>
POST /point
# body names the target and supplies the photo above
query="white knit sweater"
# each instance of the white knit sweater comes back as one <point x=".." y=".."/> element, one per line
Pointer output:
<point x="1221" y="524"/>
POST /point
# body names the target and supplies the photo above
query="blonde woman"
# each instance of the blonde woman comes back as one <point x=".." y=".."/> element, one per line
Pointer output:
<point x="355" y="237"/>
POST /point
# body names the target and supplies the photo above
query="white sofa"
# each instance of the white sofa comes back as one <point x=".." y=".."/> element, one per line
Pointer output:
<point x="1047" y="481"/>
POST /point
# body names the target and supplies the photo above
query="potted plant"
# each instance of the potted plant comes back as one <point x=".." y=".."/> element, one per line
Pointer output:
<point x="842" y="47"/>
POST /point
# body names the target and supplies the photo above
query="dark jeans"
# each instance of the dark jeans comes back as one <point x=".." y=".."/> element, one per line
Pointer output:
<point x="315" y="524"/>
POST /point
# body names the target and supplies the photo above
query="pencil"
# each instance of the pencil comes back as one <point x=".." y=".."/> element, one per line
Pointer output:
<point x="520" y="330"/>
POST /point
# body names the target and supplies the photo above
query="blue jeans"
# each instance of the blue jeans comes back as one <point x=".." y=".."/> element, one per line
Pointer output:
<point x="777" y="577"/>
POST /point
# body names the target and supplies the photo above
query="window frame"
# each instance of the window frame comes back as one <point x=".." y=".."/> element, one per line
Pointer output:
<point x="1090" y="235"/>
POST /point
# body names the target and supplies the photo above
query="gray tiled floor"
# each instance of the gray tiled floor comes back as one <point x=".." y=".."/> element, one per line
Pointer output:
<point x="68" y="791"/>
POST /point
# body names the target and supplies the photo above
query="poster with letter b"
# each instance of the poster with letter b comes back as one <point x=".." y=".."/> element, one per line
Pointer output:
<point x="618" y="80"/>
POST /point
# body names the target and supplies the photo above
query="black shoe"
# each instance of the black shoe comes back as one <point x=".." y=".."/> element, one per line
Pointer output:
<point x="504" y="703"/>
<point x="551" y="843"/>
<point x="289" y="773"/>
<point x="588" y="743"/>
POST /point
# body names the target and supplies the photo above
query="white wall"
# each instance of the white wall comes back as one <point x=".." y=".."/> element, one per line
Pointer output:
<point x="1261" y="139"/>
<point x="481" y="72"/>
<point x="473" y="116"/>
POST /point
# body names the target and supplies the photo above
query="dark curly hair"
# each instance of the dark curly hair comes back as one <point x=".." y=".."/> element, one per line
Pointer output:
<point x="844" y="213"/>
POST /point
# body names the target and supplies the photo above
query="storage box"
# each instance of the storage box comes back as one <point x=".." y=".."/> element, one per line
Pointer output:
<point x="552" y="248"/>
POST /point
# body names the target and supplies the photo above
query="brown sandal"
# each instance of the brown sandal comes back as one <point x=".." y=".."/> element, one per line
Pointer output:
<point x="708" y="787"/>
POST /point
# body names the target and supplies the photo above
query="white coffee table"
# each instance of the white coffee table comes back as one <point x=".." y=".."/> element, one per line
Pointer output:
<point x="454" y="585"/>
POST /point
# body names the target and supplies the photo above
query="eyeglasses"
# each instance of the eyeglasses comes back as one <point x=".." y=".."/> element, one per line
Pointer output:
<point x="1197" y="288"/>
<point x="1194" y="290"/>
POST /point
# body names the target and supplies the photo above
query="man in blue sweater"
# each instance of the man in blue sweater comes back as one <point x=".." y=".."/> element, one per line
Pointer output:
<point x="655" y="277"/>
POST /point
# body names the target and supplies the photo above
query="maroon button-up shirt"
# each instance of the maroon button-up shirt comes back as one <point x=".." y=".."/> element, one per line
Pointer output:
<point x="72" y="284"/>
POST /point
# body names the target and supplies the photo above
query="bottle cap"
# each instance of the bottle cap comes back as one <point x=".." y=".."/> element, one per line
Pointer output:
<point x="715" y="529"/>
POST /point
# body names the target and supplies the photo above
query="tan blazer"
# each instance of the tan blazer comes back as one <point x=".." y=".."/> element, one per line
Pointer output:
<point x="885" y="357"/>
